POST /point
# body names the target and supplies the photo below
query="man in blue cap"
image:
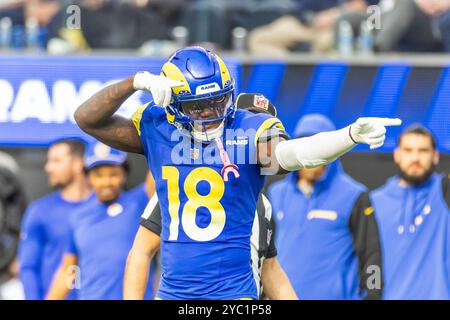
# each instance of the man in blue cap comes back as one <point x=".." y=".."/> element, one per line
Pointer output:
<point x="327" y="236"/>
<point x="102" y="231"/>
<point x="413" y="211"/>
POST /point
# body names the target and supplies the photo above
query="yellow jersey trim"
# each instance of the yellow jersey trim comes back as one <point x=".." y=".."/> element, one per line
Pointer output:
<point x="137" y="116"/>
<point x="170" y="118"/>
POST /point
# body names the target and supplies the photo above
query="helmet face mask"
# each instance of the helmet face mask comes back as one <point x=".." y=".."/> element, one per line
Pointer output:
<point x="208" y="111"/>
<point x="205" y="118"/>
<point x="204" y="106"/>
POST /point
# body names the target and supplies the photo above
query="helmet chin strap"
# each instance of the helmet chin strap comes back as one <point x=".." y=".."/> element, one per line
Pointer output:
<point x="208" y="135"/>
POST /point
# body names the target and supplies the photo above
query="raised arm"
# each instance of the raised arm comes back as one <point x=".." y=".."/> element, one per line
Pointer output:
<point x="322" y="148"/>
<point x="97" y="115"/>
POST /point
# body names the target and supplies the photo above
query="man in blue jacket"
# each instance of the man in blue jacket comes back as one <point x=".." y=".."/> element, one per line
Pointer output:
<point x="412" y="210"/>
<point x="327" y="236"/>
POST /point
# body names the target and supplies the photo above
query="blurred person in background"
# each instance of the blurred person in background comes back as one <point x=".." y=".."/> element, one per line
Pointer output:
<point x="414" y="25"/>
<point x="313" y="23"/>
<point x="13" y="9"/>
<point x="408" y="25"/>
<point x="125" y="24"/>
<point x="42" y="10"/>
<point x="102" y="231"/>
<point x="45" y="225"/>
<point x="327" y="236"/>
<point x="31" y="22"/>
<point x="170" y="10"/>
<point x="441" y="16"/>
<point x="412" y="210"/>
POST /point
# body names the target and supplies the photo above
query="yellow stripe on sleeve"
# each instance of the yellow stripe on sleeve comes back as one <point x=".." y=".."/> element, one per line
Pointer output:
<point x="269" y="123"/>
<point x="137" y="116"/>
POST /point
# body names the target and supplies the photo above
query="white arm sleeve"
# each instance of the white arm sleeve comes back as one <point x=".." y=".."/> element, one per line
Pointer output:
<point x="313" y="151"/>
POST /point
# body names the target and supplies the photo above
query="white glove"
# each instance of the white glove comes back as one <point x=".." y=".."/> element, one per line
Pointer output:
<point x="160" y="87"/>
<point x="372" y="131"/>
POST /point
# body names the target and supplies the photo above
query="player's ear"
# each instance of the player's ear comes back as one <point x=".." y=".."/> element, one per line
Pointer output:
<point x="436" y="157"/>
<point x="396" y="155"/>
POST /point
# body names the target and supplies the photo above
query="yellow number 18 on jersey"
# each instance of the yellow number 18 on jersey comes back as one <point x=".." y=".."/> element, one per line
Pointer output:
<point x="211" y="201"/>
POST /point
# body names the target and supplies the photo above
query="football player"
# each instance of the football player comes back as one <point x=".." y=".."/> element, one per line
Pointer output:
<point x="207" y="160"/>
<point x="270" y="278"/>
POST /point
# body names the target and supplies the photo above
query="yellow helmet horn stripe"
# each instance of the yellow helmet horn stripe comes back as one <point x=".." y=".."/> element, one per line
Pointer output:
<point x="171" y="71"/>
<point x="223" y="71"/>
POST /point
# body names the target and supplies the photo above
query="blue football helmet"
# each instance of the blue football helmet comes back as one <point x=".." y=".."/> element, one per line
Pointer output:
<point x="204" y="105"/>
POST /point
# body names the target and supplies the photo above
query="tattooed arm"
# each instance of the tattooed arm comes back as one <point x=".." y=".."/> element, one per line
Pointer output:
<point x="96" y="117"/>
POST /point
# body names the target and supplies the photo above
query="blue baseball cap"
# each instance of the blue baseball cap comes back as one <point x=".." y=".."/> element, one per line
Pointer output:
<point x="312" y="124"/>
<point x="98" y="153"/>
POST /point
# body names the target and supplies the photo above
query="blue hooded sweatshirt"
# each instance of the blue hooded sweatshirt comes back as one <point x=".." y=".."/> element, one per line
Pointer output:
<point x="415" y="237"/>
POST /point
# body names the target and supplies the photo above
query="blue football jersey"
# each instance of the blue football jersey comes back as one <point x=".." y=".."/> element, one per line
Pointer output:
<point x="206" y="222"/>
